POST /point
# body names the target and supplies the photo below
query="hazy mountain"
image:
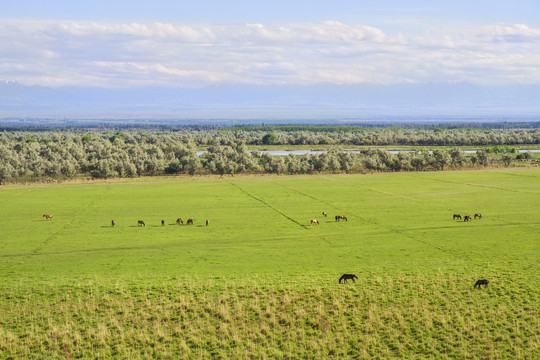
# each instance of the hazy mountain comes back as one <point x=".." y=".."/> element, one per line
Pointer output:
<point x="288" y="102"/>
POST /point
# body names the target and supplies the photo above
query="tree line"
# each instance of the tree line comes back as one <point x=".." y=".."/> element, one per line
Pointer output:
<point x="102" y="154"/>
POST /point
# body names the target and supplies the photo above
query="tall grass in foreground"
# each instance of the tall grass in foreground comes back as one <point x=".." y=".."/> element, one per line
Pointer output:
<point x="394" y="315"/>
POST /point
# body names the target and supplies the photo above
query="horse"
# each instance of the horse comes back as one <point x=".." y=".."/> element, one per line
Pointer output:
<point x="141" y="223"/>
<point x="467" y="218"/>
<point x="207" y="223"/>
<point x="341" y="217"/>
<point x="456" y="216"/>
<point x="189" y="222"/>
<point x="346" y="277"/>
<point x="162" y="222"/>
<point x="314" y="222"/>
<point x="179" y="221"/>
<point x="113" y="223"/>
<point x="477" y="216"/>
<point x="47" y="216"/>
<point x="324" y="214"/>
<point x="481" y="282"/>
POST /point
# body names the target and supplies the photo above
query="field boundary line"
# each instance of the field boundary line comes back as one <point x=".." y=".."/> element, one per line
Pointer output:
<point x="402" y="232"/>
<point x="268" y="205"/>
<point x="44" y="243"/>
<point x="479" y="185"/>
<point x="310" y="196"/>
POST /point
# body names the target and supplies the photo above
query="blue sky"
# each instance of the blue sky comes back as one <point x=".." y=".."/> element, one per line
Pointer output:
<point x="373" y="12"/>
<point x="118" y="43"/>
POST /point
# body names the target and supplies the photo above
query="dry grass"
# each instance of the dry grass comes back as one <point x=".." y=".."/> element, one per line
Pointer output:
<point x="394" y="316"/>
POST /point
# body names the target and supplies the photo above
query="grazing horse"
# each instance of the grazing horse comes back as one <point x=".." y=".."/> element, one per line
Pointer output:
<point x="467" y="218"/>
<point x="456" y="216"/>
<point x="481" y="282"/>
<point x="207" y="223"/>
<point x="314" y="222"/>
<point x="162" y="222"/>
<point x="189" y="222"/>
<point x="47" y="216"/>
<point x="477" y="216"/>
<point x="113" y="223"/>
<point x="346" y="277"/>
<point x="179" y="221"/>
<point x="341" y="217"/>
<point x="141" y="223"/>
<point x="324" y="214"/>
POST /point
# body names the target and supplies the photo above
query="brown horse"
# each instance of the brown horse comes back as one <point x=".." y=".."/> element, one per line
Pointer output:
<point x="314" y="222"/>
<point x="467" y="218"/>
<point x="456" y="216"/>
<point x="113" y="223"/>
<point x="47" y="216"/>
<point x="477" y="216"/>
<point x="179" y="221"/>
<point x="189" y="222"/>
<point x="481" y="282"/>
<point x="346" y="277"/>
<point x="341" y="217"/>
<point x="324" y="214"/>
<point x="141" y="223"/>
<point x="207" y="223"/>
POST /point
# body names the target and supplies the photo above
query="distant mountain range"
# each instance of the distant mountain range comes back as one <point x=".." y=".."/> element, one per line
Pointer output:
<point x="459" y="100"/>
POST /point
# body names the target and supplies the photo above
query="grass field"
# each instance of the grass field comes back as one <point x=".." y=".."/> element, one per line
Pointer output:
<point x="260" y="282"/>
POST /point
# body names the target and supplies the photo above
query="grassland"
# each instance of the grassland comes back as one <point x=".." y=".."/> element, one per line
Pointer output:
<point x="259" y="282"/>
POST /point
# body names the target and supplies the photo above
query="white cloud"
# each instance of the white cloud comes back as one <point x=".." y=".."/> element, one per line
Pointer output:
<point x="108" y="54"/>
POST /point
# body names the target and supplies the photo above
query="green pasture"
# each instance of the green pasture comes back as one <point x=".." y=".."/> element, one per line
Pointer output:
<point x="259" y="281"/>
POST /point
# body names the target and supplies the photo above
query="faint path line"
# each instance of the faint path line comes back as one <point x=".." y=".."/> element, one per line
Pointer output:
<point x="499" y="218"/>
<point x="308" y="195"/>
<point x="391" y="194"/>
<point x="402" y="232"/>
<point x="14" y="196"/>
<point x="75" y="219"/>
<point x="519" y="175"/>
<point x="478" y="185"/>
<point x="270" y="206"/>
<point x="159" y="246"/>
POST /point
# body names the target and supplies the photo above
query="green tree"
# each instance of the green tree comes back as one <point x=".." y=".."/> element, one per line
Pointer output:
<point x="269" y="139"/>
<point x="507" y="159"/>
<point x="441" y="158"/>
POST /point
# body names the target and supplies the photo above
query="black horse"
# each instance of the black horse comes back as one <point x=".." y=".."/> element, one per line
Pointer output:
<point x="457" y="216"/>
<point x="479" y="283"/>
<point x="162" y="222"/>
<point x="467" y="218"/>
<point x="189" y="222"/>
<point x="346" y="277"/>
<point x="141" y="223"/>
<point x="341" y="217"/>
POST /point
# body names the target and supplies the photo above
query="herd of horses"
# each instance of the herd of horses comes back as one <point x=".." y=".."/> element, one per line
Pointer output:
<point x="337" y="217"/>
<point x="141" y="223"/>
<point x="343" y="277"/>
<point x="467" y="218"/>
<point x="178" y="222"/>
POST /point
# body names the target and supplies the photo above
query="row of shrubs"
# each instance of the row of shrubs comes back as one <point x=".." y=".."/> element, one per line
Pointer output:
<point x="104" y="155"/>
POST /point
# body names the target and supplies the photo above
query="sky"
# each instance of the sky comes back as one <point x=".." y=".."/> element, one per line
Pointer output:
<point x="194" y="44"/>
